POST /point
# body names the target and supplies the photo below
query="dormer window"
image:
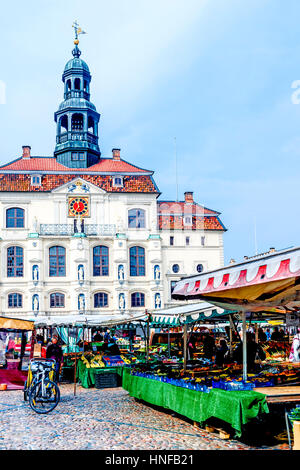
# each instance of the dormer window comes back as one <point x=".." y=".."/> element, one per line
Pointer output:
<point x="188" y="220"/>
<point x="36" y="180"/>
<point x="118" y="181"/>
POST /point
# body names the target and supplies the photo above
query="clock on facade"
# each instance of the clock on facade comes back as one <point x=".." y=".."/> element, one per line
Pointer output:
<point x="78" y="206"/>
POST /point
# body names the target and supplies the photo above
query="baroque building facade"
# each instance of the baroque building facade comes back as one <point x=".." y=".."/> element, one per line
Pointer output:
<point x="84" y="234"/>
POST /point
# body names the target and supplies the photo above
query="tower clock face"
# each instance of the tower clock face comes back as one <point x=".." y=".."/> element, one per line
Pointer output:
<point x="78" y="206"/>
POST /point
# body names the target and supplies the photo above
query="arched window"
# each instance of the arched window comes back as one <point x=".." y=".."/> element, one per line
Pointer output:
<point x="136" y="218"/>
<point x="57" y="261"/>
<point x="118" y="181"/>
<point x="100" y="261"/>
<point x="100" y="300"/>
<point x="137" y="299"/>
<point x="64" y="124"/>
<point x="77" y="83"/>
<point x="137" y="261"/>
<point x="57" y="300"/>
<point x="91" y="125"/>
<point x="77" y="122"/>
<point x="68" y="86"/>
<point x="14" y="300"/>
<point x="15" y="261"/>
<point x="15" y="217"/>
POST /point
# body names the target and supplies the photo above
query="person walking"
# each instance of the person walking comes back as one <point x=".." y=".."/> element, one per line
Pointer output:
<point x="54" y="351"/>
<point x="295" y="349"/>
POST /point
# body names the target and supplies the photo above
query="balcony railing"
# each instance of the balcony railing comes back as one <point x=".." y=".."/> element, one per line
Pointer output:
<point x="68" y="229"/>
<point x="77" y="135"/>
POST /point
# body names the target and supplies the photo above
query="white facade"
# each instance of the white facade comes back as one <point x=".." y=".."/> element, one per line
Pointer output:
<point x="46" y="224"/>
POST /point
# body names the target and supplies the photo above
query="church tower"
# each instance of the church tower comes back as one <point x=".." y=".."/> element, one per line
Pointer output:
<point x="77" y="118"/>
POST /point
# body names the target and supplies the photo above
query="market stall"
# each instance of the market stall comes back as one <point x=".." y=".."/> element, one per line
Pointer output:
<point x="16" y="348"/>
<point x="86" y="358"/>
<point x="266" y="284"/>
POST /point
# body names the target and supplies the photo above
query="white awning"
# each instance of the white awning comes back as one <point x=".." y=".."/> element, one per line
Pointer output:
<point x="86" y="320"/>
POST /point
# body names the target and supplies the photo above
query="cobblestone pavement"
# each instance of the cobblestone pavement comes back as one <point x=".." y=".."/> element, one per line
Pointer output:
<point x="100" y="419"/>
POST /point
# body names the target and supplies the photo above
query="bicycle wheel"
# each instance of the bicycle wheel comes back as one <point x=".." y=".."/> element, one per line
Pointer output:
<point x="43" y="404"/>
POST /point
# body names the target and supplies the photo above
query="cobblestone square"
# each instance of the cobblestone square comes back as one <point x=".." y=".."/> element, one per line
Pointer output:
<point x="106" y="419"/>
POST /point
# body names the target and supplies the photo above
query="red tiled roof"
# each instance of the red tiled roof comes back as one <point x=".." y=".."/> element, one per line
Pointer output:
<point x="171" y="216"/>
<point x="171" y="222"/>
<point x="180" y="207"/>
<point x="51" y="164"/>
<point x="131" y="184"/>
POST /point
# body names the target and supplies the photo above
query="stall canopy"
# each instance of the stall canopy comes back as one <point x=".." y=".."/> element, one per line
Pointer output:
<point x="89" y="320"/>
<point x="15" y="324"/>
<point x="191" y="313"/>
<point x="269" y="283"/>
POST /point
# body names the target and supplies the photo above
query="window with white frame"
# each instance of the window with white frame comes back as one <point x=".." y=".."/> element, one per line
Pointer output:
<point x="188" y="220"/>
<point x="36" y="180"/>
<point x="118" y="181"/>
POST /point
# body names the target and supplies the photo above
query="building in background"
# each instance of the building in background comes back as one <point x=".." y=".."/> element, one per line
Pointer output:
<point x="84" y="234"/>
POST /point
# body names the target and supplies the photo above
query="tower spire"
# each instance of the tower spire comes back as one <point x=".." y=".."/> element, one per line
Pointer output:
<point x="77" y="118"/>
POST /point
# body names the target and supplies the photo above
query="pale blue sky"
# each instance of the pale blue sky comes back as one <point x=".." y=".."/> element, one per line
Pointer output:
<point x="217" y="74"/>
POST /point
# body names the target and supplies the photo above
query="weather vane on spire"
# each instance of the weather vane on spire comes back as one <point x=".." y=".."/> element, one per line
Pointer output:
<point x="76" y="52"/>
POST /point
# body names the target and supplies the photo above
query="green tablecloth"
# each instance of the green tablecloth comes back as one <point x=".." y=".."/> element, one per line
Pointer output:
<point x="235" y="408"/>
<point x="87" y="375"/>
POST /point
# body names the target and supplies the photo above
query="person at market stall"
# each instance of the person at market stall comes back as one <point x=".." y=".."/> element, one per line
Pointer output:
<point x="221" y="351"/>
<point x="281" y="332"/>
<point x="54" y="351"/>
<point x="192" y="346"/>
<point x="107" y="336"/>
<point x="295" y="349"/>
<point x="209" y="346"/>
<point x="262" y="335"/>
<point x="98" y="336"/>
<point x="276" y="335"/>
<point x="268" y="334"/>
<point x="254" y="352"/>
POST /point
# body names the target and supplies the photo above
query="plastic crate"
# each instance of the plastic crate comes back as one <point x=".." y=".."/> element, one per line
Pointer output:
<point x="234" y="385"/>
<point x="106" y="380"/>
<point x="269" y="383"/>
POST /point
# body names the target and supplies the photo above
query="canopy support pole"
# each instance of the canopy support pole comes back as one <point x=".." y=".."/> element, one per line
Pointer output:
<point x="169" y="349"/>
<point x="244" y="347"/>
<point x="184" y="346"/>
<point x="148" y="336"/>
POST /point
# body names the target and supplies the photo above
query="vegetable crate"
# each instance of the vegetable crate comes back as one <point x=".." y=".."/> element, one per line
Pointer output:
<point x="106" y="380"/>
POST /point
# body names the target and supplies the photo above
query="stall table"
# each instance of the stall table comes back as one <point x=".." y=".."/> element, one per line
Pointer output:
<point x="282" y="394"/>
<point x="234" y="407"/>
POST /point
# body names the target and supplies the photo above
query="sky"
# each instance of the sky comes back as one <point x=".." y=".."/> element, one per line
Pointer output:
<point x="218" y="77"/>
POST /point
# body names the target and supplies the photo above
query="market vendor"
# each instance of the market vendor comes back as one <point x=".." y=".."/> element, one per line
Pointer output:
<point x="54" y="351"/>
<point x="254" y="352"/>
<point x="97" y="336"/>
<point x="209" y="346"/>
<point x="221" y="351"/>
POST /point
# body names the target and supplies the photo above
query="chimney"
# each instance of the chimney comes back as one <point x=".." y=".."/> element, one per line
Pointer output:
<point x="116" y="154"/>
<point x="26" y="152"/>
<point x="188" y="196"/>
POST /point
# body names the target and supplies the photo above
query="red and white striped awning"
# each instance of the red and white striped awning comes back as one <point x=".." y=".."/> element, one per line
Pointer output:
<point x="268" y="283"/>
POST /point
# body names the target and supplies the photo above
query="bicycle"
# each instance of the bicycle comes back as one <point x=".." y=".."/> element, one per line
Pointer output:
<point x="40" y="390"/>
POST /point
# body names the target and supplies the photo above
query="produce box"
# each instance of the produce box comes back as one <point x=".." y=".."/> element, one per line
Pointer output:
<point x="233" y="385"/>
